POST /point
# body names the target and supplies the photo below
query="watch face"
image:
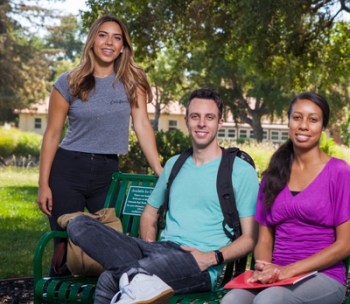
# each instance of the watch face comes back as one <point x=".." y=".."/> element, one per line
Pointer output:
<point x="219" y="257"/>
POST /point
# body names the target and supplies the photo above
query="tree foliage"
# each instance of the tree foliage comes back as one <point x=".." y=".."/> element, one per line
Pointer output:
<point x="166" y="77"/>
<point x="345" y="127"/>
<point x="269" y="27"/>
<point x="299" y="28"/>
<point x="268" y="50"/>
<point x="247" y="95"/>
<point x="23" y="66"/>
<point x="66" y="37"/>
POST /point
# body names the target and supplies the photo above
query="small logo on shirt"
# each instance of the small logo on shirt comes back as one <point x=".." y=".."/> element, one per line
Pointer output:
<point x="119" y="101"/>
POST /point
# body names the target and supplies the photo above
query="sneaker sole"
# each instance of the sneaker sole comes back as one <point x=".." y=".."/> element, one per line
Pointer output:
<point x="162" y="298"/>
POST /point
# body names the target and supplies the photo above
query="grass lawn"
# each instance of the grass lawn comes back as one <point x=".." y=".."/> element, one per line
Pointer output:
<point x="21" y="223"/>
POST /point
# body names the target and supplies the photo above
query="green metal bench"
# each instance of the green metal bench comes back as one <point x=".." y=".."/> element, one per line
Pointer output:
<point x="72" y="289"/>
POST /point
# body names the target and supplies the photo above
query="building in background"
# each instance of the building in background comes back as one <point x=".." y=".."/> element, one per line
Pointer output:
<point x="171" y="118"/>
<point x="34" y="119"/>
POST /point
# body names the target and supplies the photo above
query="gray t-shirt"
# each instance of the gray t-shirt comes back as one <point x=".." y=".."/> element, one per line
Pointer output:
<point x="100" y="125"/>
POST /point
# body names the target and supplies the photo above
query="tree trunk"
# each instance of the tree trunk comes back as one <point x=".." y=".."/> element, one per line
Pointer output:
<point x="156" y="111"/>
<point x="255" y="120"/>
<point x="256" y="125"/>
<point x="156" y="116"/>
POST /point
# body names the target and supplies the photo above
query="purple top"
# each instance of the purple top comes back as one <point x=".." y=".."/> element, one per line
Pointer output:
<point x="305" y="224"/>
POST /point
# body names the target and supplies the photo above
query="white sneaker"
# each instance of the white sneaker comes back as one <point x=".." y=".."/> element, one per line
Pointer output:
<point x="143" y="289"/>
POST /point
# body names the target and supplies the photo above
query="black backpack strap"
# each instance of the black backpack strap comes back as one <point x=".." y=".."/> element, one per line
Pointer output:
<point x="174" y="171"/>
<point x="226" y="194"/>
<point x="245" y="156"/>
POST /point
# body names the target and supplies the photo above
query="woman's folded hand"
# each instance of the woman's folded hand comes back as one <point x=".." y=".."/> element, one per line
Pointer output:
<point x="267" y="273"/>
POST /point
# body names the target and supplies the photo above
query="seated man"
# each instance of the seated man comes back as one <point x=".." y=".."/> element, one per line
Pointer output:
<point x="184" y="261"/>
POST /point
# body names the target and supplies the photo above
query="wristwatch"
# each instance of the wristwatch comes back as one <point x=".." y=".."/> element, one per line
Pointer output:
<point x="219" y="257"/>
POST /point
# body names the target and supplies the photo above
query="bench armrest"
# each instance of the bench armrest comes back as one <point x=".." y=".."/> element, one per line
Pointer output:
<point x="39" y="250"/>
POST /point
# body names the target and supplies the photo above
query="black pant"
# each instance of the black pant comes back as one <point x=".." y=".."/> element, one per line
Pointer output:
<point x="79" y="180"/>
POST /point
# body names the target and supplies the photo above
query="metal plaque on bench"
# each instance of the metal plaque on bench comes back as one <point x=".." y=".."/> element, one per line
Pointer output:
<point x="136" y="200"/>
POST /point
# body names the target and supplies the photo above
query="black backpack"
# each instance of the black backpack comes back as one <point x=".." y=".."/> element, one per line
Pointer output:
<point x="223" y="185"/>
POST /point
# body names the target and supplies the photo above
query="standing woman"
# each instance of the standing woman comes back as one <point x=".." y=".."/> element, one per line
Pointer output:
<point x="303" y="209"/>
<point x="98" y="97"/>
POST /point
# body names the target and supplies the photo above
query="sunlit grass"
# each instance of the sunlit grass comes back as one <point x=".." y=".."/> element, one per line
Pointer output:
<point x="11" y="175"/>
<point x="21" y="222"/>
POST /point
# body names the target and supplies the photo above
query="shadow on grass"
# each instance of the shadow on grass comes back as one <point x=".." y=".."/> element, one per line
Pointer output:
<point x="17" y="252"/>
<point x="23" y="190"/>
<point x="22" y="224"/>
<point x="15" y="224"/>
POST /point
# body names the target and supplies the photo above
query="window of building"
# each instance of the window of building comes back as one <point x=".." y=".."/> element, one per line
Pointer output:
<point x="264" y="135"/>
<point x="251" y="134"/>
<point x="231" y="133"/>
<point x="284" y="135"/>
<point x="274" y="135"/>
<point x="222" y="133"/>
<point x="172" y="125"/>
<point x="37" y="123"/>
<point x="243" y="133"/>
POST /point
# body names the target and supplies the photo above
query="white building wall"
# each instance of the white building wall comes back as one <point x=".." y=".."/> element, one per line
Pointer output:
<point x="27" y="123"/>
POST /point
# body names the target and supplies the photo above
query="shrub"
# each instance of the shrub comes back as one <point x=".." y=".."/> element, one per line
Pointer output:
<point x="8" y="141"/>
<point x="174" y="142"/>
<point x="342" y="152"/>
<point x="260" y="152"/>
<point x="328" y="145"/>
<point x="171" y="143"/>
<point x="15" y="142"/>
<point x="168" y="145"/>
<point x="134" y="161"/>
<point x="28" y="144"/>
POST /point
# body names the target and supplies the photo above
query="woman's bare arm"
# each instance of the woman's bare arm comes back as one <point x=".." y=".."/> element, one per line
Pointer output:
<point x="58" y="110"/>
<point x="145" y="133"/>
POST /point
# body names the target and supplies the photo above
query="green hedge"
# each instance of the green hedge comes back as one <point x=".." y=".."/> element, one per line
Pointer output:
<point x="262" y="152"/>
<point x="174" y="142"/>
<point x="168" y="144"/>
<point x="15" y="142"/>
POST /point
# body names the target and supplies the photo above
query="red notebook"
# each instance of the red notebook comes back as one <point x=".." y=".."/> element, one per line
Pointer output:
<point x="241" y="281"/>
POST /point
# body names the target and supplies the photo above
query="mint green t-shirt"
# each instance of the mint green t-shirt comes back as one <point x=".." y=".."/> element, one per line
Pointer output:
<point x="195" y="217"/>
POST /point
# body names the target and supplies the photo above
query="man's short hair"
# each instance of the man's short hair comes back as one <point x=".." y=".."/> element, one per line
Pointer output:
<point x="209" y="94"/>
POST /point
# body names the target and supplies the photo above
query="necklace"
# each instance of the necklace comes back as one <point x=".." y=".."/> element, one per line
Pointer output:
<point x="100" y="76"/>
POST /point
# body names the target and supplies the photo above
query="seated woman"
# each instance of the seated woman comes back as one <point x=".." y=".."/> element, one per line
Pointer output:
<point x="303" y="209"/>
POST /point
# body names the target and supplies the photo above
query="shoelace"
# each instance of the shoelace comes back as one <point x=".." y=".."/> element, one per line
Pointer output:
<point x="126" y="290"/>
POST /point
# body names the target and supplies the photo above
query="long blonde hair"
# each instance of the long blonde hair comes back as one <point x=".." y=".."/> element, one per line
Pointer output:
<point x="82" y="80"/>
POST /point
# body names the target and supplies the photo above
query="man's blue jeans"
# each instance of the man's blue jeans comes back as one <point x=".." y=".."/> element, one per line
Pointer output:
<point x="118" y="253"/>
